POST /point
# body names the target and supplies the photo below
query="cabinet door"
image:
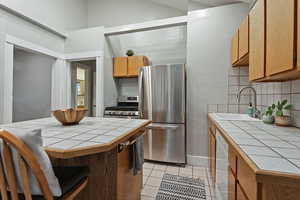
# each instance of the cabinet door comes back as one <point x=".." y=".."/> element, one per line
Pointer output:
<point x="231" y="185"/>
<point x="127" y="191"/>
<point x="240" y="194"/>
<point x="120" y="66"/>
<point x="244" y="38"/>
<point x="212" y="156"/>
<point x="280" y="34"/>
<point x="235" y="48"/>
<point x="134" y="64"/>
<point x="257" y="41"/>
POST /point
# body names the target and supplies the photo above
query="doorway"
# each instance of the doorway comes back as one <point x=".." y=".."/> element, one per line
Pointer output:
<point x="84" y="85"/>
<point x="32" y="85"/>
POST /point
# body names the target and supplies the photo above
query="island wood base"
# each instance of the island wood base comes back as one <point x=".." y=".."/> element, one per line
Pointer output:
<point x="110" y="177"/>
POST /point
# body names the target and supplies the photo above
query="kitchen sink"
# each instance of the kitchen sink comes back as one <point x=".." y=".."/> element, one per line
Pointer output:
<point x="234" y="117"/>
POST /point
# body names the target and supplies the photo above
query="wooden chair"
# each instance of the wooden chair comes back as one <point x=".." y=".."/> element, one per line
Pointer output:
<point x="26" y="159"/>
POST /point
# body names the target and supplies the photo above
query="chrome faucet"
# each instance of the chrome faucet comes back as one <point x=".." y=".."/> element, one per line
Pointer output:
<point x="256" y="113"/>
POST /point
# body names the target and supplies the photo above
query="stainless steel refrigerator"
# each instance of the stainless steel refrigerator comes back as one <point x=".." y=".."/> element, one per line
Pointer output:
<point x="162" y="100"/>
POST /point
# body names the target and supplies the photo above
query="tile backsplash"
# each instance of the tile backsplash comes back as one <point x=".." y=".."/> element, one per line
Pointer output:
<point x="267" y="94"/>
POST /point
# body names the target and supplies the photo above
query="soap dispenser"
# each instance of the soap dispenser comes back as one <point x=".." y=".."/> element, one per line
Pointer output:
<point x="250" y="110"/>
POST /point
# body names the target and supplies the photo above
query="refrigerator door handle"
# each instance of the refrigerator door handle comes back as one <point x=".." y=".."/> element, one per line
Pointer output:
<point x="141" y="93"/>
<point x="162" y="126"/>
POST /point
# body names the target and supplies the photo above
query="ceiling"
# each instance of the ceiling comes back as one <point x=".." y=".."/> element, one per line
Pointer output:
<point x="183" y="4"/>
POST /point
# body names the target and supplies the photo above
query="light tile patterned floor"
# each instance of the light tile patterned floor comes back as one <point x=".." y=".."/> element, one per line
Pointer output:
<point x="153" y="173"/>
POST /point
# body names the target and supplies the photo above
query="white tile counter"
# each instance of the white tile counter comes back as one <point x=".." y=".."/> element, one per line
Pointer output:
<point x="269" y="147"/>
<point x="91" y="131"/>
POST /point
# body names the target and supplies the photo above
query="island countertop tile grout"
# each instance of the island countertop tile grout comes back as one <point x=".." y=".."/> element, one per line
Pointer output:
<point x="90" y="131"/>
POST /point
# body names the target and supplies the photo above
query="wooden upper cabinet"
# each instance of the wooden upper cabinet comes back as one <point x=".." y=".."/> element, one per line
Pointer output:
<point x="129" y="66"/>
<point x="280" y="34"/>
<point x="257" y="41"/>
<point x="244" y="39"/>
<point x="120" y="66"/>
<point x="134" y="64"/>
<point x="235" y="48"/>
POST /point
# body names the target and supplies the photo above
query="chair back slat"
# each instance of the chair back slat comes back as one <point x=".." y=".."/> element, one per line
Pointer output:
<point x="25" y="178"/>
<point x="26" y="161"/>
<point x="3" y="185"/>
<point x="10" y="172"/>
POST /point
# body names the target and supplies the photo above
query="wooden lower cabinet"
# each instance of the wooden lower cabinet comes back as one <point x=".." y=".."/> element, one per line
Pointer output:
<point x="245" y="180"/>
<point x="128" y="185"/>
<point x="240" y="194"/>
<point x="231" y="185"/>
<point x="280" y="192"/>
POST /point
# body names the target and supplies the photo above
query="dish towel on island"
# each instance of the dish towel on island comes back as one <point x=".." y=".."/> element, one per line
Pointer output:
<point x="138" y="155"/>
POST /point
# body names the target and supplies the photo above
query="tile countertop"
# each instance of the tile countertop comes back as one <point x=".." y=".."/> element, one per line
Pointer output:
<point x="270" y="147"/>
<point x="91" y="131"/>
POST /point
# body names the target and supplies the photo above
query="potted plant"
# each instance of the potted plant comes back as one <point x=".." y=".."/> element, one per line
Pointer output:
<point x="281" y="108"/>
<point x="268" y="117"/>
<point x="130" y="53"/>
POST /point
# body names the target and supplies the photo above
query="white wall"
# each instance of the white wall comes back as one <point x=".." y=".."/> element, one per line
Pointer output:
<point x="32" y="86"/>
<point x="60" y="14"/>
<point x="209" y="34"/>
<point x="2" y="65"/>
<point x="161" y="46"/>
<point x="85" y="40"/>
<point x="110" y="85"/>
<point x="123" y="12"/>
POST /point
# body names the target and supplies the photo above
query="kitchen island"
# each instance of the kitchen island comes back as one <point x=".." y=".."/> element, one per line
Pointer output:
<point x="102" y="144"/>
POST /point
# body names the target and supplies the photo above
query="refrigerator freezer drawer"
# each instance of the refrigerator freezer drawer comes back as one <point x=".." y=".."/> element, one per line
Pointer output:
<point x="165" y="143"/>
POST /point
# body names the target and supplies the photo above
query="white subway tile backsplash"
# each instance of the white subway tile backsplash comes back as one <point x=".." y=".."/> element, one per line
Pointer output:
<point x="233" y="108"/>
<point x="212" y="108"/>
<point x="296" y="118"/>
<point x="286" y="87"/>
<point x="277" y="88"/>
<point x="264" y="99"/>
<point x="243" y="109"/>
<point x="244" y="80"/>
<point x="276" y="98"/>
<point x="264" y="88"/>
<point x="234" y="71"/>
<point x="270" y="88"/>
<point x="222" y="108"/>
<point x="244" y="71"/>
<point x="245" y="99"/>
<point x="232" y="99"/>
<point x="271" y="99"/>
<point x="296" y="101"/>
<point x="287" y="97"/>
<point x="259" y="99"/>
<point x="296" y="86"/>
<point x="267" y="94"/>
<point x="234" y="80"/>
<point x="233" y="89"/>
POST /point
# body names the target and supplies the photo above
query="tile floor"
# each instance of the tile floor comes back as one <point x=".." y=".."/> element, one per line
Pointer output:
<point x="153" y="173"/>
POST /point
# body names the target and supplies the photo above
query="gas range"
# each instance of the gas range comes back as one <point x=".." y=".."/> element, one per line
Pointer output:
<point x="127" y="108"/>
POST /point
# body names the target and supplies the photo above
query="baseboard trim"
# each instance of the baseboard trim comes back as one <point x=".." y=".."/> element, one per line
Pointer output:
<point x="197" y="160"/>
